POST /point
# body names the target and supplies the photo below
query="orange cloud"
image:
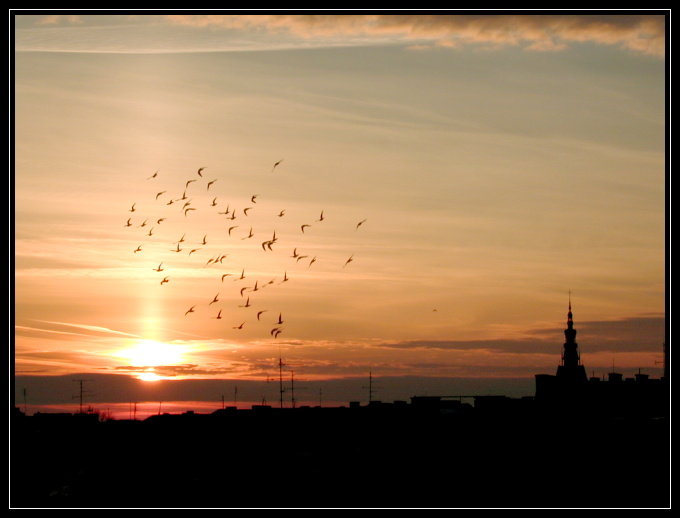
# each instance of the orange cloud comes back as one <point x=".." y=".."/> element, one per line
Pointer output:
<point x="640" y="33"/>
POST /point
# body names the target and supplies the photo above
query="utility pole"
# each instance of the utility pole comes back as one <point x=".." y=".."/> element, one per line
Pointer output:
<point x="81" y="394"/>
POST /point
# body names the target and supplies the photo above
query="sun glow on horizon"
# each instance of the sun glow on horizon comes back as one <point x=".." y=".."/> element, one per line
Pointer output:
<point x="150" y="354"/>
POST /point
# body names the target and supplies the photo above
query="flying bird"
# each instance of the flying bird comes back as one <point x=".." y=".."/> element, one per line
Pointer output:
<point x="232" y="228"/>
<point x="181" y="239"/>
<point x="190" y="310"/>
<point x="199" y="171"/>
<point x="210" y="183"/>
<point x="188" y="182"/>
<point x="260" y="313"/>
<point x="194" y="250"/>
<point x="303" y="228"/>
<point x="321" y="217"/>
<point x="246" y="305"/>
<point x="312" y="261"/>
<point x="128" y="224"/>
<point x="349" y="260"/>
<point x="153" y="175"/>
<point x="295" y="254"/>
<point x="245" y="211"/>
<point x="219" y="315"/>
<point x="301" y="257"/>
<point x="143" y="224"/>
<point x="150" y="232"/>
<point x="360" y="223"/>
<point x="132" y="209"/>
<point x="285" y="277"/>
<point x="252" y="198"/>
<point x="204" y="242"/>
<point x="187" y="210"/>
<point x="165" y="279"/>
<point x="214" y="202"/>
<point x="280" y="321"/>
<point x="243" y="275"/>
<point x="159" y="269"/>
<point x="225" y="275"/>
<point x="162" y="192"/>
<point x="281" y="213"/>
<point x="161" y="220"/>
<point x="239" y="327"/>
<point x="277" y="163"/>
<point x="249" y="235"/>
<point x="214" y="299"/>
<point x="139" y="249"/>
<point x="178" y="249"/>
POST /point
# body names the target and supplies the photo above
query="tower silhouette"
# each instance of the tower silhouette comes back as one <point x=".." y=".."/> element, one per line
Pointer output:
<point x="571" y="369"/>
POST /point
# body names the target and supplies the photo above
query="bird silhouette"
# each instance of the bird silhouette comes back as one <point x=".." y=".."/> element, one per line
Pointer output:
<point x="187" y="210"/>
<point x="165" y="279"/>
<point x="193" y="250"/>
<point x="232" y="228"/>
<point x="225" y="275"/>
<point x="360" y="223"/>
<point x="162" y="192"/>
<point x="215" y="299"/>
<point x="252" y="198"/>
<point x="320" y="217"/>
<point x="219" y="315"/>
<point x="239" y="327"/>
<point x="153" y="175"/>
<point x="349" y="260"/>
<point x="190" y="310"/>
<point x="160" y="220"/>
<point x="159" y="269"/>
<point x="210" y="183"/>
<point x="302" y="227"/>
<point x="276" y="164"/>
<point x="204" y="242"/>
<point x="128" y="224"/>
<point x="199" y="171"/>
<point x="280" y="320"/>
<point x="178" y="249"/>
<point x="246" y="305"/>
<point x="249" y="235"/>
<point x="139" y="249"/>
<point x="188" y="182"/>
<point x="282" y="213"/>
<point x="259" y="313"/>
<point x="245" y="211"/>
<point x="312" y="261"/>
<point x="181" y="239"/>
<point x="132" y="209"/>
<point x="285" y="277"/>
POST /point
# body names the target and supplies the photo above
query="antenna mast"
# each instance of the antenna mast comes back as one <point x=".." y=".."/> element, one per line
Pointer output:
<point x="82" y="394"/>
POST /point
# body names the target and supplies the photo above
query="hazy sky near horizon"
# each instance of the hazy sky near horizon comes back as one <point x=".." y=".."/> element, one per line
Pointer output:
<point x="497" y="163"/>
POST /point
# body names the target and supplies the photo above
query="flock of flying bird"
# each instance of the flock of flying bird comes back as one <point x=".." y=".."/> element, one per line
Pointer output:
<point x="229" y="214"/>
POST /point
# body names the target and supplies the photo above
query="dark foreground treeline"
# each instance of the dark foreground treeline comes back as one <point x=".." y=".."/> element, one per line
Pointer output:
<point x="338" y="458"/>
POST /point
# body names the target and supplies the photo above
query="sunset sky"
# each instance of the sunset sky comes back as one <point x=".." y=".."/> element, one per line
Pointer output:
<point x="499" y="164"/>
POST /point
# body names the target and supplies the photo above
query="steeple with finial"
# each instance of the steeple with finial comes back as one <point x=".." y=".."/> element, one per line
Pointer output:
<point x="571" y="360"/>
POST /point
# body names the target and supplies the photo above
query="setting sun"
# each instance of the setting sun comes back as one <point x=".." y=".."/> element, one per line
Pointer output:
<point x="149" y="353"/>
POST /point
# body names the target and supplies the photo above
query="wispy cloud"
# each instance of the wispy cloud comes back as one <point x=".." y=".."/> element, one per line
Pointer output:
<point x="640" y="33"/>
<point x="219" y="32"/>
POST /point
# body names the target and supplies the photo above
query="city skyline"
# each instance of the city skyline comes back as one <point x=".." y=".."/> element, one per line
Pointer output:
<point x="476" y="169"/>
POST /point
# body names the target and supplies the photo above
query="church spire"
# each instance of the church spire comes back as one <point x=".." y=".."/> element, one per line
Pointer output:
<point x="571" y="360"/>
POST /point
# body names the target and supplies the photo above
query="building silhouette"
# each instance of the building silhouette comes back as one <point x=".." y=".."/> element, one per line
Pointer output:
<point x="569" y="391"/>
